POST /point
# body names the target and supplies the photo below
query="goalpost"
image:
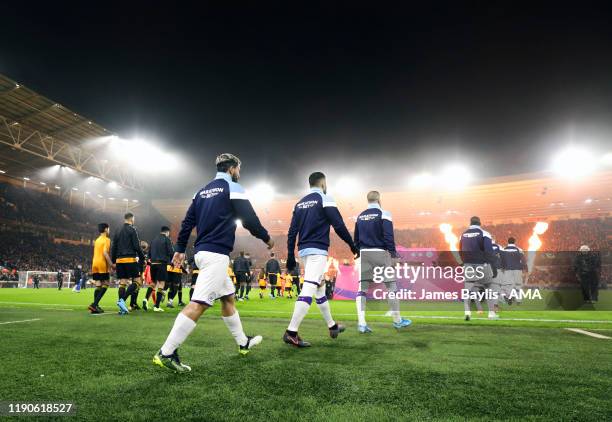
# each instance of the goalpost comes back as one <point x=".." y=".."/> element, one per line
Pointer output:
<point x="46" y="279"/>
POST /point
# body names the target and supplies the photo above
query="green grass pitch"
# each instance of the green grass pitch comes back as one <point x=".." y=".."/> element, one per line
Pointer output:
<point x="523" y="367"/>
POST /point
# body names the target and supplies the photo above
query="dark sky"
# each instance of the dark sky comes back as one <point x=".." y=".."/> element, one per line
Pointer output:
<point x="342" y="88"/>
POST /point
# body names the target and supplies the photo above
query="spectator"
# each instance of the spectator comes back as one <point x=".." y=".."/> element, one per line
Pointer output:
<point x="587" y="265"/>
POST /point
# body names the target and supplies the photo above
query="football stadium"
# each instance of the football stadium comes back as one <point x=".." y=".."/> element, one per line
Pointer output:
<point x="243" y="213"/>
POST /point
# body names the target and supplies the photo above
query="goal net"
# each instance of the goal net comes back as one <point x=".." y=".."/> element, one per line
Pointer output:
<point x="45" y="279"/>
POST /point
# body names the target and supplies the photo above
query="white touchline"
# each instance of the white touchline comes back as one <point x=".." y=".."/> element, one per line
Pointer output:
<point x="40" y="304"/>
<point x="593" y="321"/>
<point x="23" y="320"/>
<point x="588" y="333"/>
<point x="247" y="311"/>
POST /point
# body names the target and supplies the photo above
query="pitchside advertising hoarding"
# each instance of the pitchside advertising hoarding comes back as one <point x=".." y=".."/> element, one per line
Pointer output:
<point x="435" y="280"/>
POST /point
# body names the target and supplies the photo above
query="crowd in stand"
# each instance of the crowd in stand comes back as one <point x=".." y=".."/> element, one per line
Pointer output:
<point x="45" y="210"/>
<point x="27" y="251"/>
<point x="33" y="224"/>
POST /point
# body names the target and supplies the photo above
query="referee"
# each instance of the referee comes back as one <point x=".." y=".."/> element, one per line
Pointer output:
<point x="125" y="254"/>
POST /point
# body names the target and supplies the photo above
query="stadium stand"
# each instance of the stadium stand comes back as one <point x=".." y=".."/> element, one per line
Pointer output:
<point x="43" y="232"/>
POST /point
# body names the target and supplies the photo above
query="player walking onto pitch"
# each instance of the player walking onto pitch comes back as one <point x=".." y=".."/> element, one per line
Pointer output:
<point x="514" y="269"/>
<point x="273" y="270"/>
<point x="213" y="212"/>
<point x="241" y="268"/>
<point x="375" y="240"/>
<point x="312" y="217"/>
<point x="126" y="254"/>
<point x="160" y="255"/>
<point x="476" y="251"/>
<point x="101" y="267"/>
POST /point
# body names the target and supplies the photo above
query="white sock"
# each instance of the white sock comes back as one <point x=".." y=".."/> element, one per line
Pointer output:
<point x="183" y="326"/>
<point x="302" y="305"/>
<point x="324" y="307"/>
<point x="234" y="325"/>
<point x="361" y="306"/>
<point x="394" y="307"/>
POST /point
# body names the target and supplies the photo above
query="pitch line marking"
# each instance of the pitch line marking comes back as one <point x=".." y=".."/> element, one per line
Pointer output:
<point x="40" y="304"/>
<point x="16" y="322"/>
<point x="450" y="317"/>
<point x="345" y="314"/>
<point x="588" y="333"/>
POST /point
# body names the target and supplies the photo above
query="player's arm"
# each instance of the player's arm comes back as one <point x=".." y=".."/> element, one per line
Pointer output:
<point x="356" y="235"/>
<point x="136" y="245"/>
<point x="524" y="263"/>
<point x="183" y="237"/>
<point x="291" y="240"/>
<point x="335" y="220"/>
<point x="387" y="226"/>
<point x="169" y="248"/>
<point x="114" y="246"/>
<point x="107" y="256"/>
<point x="245" y="212"/>
<point x="489" y="253"/>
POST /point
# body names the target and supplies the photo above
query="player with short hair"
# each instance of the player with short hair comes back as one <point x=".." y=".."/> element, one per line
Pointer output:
<point x="241" y="269"/>
<point x="101" y="266"/>
<point x="213" y="212"/>
<point x="376" y="242"/>
<point x="160" y="256"/>
<point x="273" y="270"/>
<point x="478" y="258"/>
<point x="312" y="217"/>
<point x="514" y="269"/>
<point x="126" y="254"/>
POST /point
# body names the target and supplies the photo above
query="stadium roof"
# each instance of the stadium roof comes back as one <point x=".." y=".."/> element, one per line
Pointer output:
<point x="36" y="132"/>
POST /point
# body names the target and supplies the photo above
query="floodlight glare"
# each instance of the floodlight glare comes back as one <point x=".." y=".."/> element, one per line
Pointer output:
<point x="455" y="176"/>
<point x="573" y="163"/>
<point x="262" y="193"/>
<point x="346" y="186"/>
<point x="422" y="180"/>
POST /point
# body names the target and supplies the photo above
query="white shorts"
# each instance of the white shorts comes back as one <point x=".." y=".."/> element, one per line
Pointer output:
<point x="314" y="268"/>
<point x="213" y="281"/>
<point x="514" y="278"/>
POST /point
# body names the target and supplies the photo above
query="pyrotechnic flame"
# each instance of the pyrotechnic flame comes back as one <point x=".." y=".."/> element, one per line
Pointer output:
<point x="535" y="243"/>
<point x="449" y="236"/>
